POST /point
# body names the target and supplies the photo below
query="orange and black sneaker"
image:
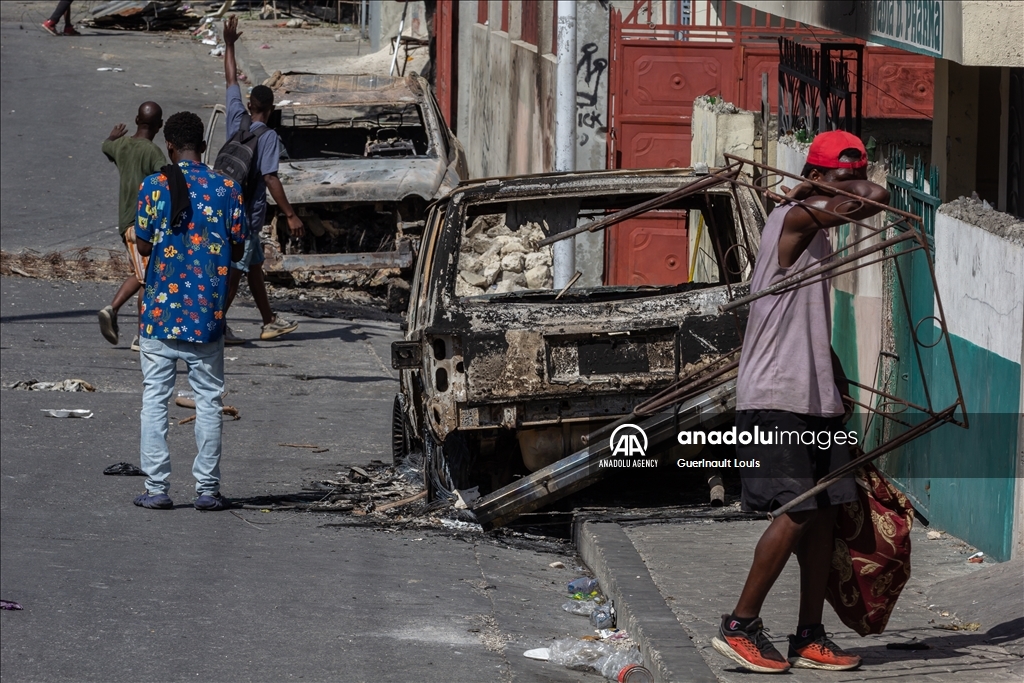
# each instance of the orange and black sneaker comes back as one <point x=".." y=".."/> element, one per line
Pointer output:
<point x="749" y="647"/>
<point x="811" y="648"/>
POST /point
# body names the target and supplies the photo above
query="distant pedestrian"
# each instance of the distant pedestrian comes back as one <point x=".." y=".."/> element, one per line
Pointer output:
<point x="191" y="223"/>
<point x="136" y="157"/>
<point x="790" y="382"/>
<point x="63" y="10"/>
<point x="265" y="161"/>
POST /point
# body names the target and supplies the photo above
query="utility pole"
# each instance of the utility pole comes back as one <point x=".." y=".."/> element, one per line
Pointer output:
<point x="564" y="251"/>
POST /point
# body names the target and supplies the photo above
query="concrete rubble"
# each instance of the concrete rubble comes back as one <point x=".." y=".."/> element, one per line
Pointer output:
<point x="497" y="259"/>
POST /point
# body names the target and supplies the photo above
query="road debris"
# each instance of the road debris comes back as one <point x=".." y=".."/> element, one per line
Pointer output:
<point x="609" y="659"/>
<point x="115" y="69"/>
<point x="68" y="412"/>
<point x="298" y="445"/>
<point x="934" y="535"/>
<point x="226" y="410"/>
<point x="976" y="558"/>
<point x="143" y="16"/>
<point x="64" y="385"/>
<point x="8" y="604"/>
<point x="557" y="565"/>
<point x="124" y="469"/>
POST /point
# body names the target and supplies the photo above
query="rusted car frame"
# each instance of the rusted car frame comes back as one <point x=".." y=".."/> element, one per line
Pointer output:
<point x="362" y="157"/>
<point x="496" y="383"/>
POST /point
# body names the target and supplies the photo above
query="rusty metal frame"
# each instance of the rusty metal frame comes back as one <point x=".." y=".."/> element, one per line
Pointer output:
<point x="908" y="229"/>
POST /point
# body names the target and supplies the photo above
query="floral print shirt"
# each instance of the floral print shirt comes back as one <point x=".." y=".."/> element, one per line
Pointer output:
<point x="187" y="277"/>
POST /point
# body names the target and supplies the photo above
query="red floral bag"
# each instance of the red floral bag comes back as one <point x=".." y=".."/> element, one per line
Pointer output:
<point x="871" y="559"/>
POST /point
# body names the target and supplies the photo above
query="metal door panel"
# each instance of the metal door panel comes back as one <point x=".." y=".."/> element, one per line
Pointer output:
<point x="649" y="251"/>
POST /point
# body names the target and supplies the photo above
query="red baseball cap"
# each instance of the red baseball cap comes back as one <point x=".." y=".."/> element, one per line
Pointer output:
<point x="827" y="147"/>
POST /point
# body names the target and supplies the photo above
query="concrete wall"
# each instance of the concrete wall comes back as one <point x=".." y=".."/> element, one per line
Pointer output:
<point x="980" y="279"/>
<point x="391" y="14"/>
<point x="506" y="102"/>
<point x="720" y="129"/>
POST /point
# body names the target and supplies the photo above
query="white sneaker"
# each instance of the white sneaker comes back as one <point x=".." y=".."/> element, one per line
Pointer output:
<point x="135" y="344"/>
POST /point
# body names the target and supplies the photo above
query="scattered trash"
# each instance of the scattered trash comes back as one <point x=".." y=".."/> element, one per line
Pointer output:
<point x="298" y="445"/>
<point x="934" y="535"/>
<point x="635" y="673"/>
<point x="115" y="69"/>
<point x="908" y="646"/>
<point x="142" y="85"/>
<point x="7" y="604"/>
<point x="124" y="469"/>
<point x="557" y="565"/>
<point x="217" y="51"/>
<point x="264" y="46"/>
<point x="296" y="23"/>
<point x="976" y="558"/>
<point x="603" y="617"/>
<point x="583" y="585"/>
<point x="66" y="385"/>
<point x="611" y="660"/>
<point x="209" y="41"/>
<point x="542" y="654"/>
<point x="970" y="626"/>
<point x="584" y="608"/>
<point x="465" y="497"/>
<point x="612" y="634"/>
<point x="68" y="412"/>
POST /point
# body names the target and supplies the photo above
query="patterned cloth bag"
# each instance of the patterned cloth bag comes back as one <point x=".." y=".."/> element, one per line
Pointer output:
<point x="871" y="559"/>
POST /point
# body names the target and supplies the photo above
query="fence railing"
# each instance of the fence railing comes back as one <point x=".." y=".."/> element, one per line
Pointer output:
<point x="914" y="195"/>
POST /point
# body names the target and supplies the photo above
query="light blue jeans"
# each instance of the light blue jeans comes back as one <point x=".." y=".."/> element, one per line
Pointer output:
<point x="205" y="363"/>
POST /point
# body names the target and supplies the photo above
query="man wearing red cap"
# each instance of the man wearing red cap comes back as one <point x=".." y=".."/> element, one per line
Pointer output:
<point x="790" y="381"/>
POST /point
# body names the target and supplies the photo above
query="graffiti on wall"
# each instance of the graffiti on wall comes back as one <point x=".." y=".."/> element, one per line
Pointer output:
<point x="588" y="87"/>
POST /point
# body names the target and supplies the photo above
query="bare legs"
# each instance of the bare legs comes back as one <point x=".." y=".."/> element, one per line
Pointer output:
<point x="809" y="535"/>
<point x="257" y="287"/>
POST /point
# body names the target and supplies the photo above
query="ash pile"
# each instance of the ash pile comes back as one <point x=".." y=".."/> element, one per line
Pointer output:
<point x="494" y="259"/>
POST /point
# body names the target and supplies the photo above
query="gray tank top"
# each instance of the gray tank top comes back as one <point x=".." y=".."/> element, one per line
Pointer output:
<point x="786" y="363"/>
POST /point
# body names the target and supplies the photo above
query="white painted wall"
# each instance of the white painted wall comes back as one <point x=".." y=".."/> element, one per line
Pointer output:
<point x="981" y="282"/>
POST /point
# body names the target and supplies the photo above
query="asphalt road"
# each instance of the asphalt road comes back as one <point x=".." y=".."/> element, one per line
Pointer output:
<point x="59" y="191"/>
<point x="117" y="593"/>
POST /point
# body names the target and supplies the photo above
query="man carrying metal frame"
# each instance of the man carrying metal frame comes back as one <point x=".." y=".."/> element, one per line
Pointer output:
<point x="790" y="382"/>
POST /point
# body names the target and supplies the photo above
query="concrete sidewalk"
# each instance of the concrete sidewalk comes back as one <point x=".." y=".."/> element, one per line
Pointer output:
<point x="693" y="570"/>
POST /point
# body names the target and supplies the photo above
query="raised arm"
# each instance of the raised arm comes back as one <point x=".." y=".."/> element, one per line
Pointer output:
<point x="816" y="196"/>
<point x="231" y="34"/>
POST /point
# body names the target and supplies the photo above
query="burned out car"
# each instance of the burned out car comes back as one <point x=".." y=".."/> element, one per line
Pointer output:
<point x="501" y="374"/>
<point x="361" y="158"/>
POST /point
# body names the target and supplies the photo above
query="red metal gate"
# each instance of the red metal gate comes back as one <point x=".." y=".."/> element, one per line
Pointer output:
<point x="659" y="65"/>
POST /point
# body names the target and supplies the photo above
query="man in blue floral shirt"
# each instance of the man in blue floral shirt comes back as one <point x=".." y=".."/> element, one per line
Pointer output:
<point x="191" y="223"/>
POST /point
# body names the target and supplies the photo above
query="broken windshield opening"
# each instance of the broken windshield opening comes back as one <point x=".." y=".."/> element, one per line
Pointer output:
<point x="501" y="258"/>
<point x="375" y="131"/>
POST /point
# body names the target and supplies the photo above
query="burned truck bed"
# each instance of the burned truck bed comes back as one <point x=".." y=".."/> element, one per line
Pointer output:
<point x="361" y="158"/>
<point x="503" y="375"/>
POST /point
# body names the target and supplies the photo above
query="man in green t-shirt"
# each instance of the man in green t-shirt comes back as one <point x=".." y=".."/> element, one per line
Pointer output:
<point x="136" y="157"/>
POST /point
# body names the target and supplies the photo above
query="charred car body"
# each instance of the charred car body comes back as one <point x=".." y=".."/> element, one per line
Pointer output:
<point x="361" y="158"/>
<point x="500" y="373"/>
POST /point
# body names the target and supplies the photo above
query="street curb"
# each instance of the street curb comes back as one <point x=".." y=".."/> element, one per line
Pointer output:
<point x="639" y="606"/>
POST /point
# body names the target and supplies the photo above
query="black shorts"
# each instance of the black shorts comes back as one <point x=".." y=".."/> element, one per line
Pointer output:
<point x="790" y="468"/>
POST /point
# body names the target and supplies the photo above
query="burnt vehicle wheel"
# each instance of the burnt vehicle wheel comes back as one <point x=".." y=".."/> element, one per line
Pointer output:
<point x="446" y="466"/>
<point x="400" y="446"/>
